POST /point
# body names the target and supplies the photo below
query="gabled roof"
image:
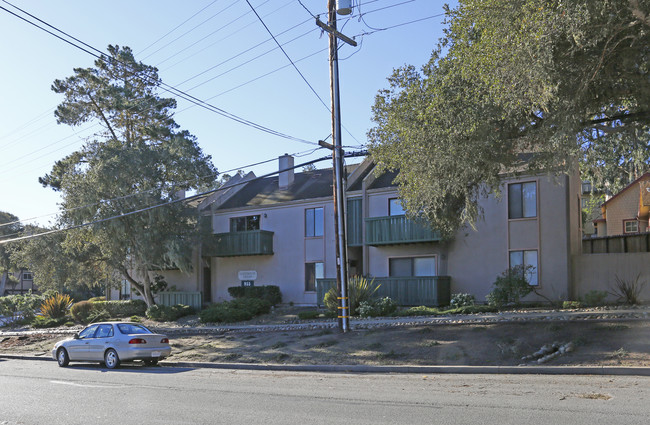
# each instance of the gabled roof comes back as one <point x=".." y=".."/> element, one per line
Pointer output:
<point x="634" y="184"/>
<point x="265" y="191"/>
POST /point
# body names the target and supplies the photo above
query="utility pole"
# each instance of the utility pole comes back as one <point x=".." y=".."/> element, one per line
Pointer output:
<point x="337" y="157"/>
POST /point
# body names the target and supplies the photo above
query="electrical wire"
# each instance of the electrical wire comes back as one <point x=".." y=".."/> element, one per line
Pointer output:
<point x="166" y="87"/>
<point x="196" y="197"/>
<point x="131" y="195"/>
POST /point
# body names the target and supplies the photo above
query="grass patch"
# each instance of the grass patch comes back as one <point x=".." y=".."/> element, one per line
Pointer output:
<point x="281" y="357"/>
<point x="619" y="354"/>
<point x="430" y="344"/>
<point x="326" y="344"/>
<point x="391" y="355"/>
<point x="278" y="345"/>
<point x="595" y="396"/>
<point x="374" y="346"/>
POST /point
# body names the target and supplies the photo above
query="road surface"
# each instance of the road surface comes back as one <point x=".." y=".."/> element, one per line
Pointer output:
<point x="39" y="392"/>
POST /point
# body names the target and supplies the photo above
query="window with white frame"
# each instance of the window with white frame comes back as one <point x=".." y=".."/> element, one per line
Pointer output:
<point x="28" y="276"/>
<point x="528" y="260"/>
<point x="314" y="222"/>
<point x="313" y="271"/>
<point x="631" y="226"/>
<point x="412" y="266"/>
<point x="522" y="200"/>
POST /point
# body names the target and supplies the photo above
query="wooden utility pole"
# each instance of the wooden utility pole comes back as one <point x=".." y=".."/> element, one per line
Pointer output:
<point x="337" y="157"/>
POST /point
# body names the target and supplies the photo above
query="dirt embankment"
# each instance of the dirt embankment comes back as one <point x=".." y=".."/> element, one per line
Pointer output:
<point x="593" y="343"/>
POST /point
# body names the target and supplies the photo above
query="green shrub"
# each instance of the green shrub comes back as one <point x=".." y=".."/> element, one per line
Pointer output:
<point x="510" y="287"/>
<point x="308" y="315"/>
<point x="271" y="293"/>
<point x="462" y="300"/>
<point x="136" y="319"/>
<point x="224" y="312"/>
<point x="20" y="306"/>
<point x="237" y="310"/>
<point x="81" y="310"/>
<point x="47" y="322"/>
<point x="594" y="298"/>
<point x="571" y="304"/>
<point x="125" y="308"/>
<point x="98" y="315"/>
<point x="56" y="306"/>
<point x="97" y="299"/>
<point x="163" y="313"/>
<point x="419" y="311"/>
<point x="255" y="306"/>
<point x="359" y="290"/>
<point x="628" y="290"/>
<point x="377" y="307"/>
<point x="472" y="309"/>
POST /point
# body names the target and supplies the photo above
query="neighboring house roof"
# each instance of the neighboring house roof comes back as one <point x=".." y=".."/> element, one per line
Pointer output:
<point x="632" y="185"/>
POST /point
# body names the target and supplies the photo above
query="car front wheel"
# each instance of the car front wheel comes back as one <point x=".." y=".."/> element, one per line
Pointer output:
<point x="62" y="357"/>
<point x="111" y="359"/>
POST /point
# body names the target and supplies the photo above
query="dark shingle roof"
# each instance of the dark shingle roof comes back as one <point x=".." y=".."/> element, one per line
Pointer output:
<point x="306" y="185"/>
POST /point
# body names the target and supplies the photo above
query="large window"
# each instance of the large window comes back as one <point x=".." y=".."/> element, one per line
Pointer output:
<point x="522" y="200"/>
<point x="631" y="226"/>
<point x="314" y="222"/>
<point x="313" y="271"/>
<point x="244" y="224"/>
<point x="412" y="266"/>
<point x="395" y="207"/>
<point x="527" y="259"/>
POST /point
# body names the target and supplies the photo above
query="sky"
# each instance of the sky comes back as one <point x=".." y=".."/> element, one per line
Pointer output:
<point x="215" y="50"/>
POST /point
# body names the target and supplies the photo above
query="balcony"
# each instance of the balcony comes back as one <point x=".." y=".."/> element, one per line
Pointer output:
<point x="397" y="229"/>
<point x="406" y="291"/>
<point x="233" y="244"/>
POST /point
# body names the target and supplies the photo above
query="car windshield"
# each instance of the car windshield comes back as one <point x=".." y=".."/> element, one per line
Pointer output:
<point x="130" y="328"/>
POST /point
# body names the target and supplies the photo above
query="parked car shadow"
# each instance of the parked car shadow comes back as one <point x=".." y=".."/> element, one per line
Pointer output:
<point x="133" y="368"/>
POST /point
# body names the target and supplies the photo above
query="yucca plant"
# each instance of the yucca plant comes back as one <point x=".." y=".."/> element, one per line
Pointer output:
<point x="56" y="306"/>
<point x="359" y="289"/>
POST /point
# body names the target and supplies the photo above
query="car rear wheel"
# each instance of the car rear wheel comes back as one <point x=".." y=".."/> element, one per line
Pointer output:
<point x="111" y="359"/>
<point x="62" y="357"/>
<point x="151" y="362"/>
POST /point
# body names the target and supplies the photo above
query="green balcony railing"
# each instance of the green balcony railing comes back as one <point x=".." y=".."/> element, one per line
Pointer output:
<point x="406" y="291"/>
<point x="397" y="229"/>
<point x="232" y="244"/>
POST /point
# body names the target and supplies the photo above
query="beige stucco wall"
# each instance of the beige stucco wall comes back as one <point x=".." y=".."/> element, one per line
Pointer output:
<point x="286" y="268"/>
<point x="478" y="256"/>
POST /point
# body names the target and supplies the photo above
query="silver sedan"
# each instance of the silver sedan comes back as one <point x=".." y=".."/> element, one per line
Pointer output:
<point x="113" y="343"/>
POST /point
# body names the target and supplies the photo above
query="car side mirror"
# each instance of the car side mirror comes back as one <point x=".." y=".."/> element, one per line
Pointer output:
<point x="75" y="336"/>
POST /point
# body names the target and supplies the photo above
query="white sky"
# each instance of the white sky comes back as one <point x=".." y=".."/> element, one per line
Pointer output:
<point x="206" y="44"/>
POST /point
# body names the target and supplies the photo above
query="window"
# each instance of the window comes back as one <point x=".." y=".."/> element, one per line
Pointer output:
<point x="244" y="224"/>
<point x="522" y="200"/>
<point x="28" y="276"/>
<point x="313" y="222"/>
<point x="586" y="187"/>
<point x="104" y="331"/>
<point x="526" y="259"/>
<point x="89" y="332"/>
<point x="412" y="266"/>
<point x="395" y="207"/>
<point x="313" y="271"/>
<point x="631" y="226"/>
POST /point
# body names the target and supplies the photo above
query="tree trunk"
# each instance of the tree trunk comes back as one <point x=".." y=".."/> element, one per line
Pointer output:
<point x="144" y="288"/>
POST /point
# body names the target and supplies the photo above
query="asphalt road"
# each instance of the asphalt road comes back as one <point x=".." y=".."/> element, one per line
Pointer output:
<point x="37" y="392"/>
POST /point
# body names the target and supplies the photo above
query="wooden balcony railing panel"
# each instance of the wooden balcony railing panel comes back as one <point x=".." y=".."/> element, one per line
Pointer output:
<point x="397" y="229"/>
<point x="231" y="244"/>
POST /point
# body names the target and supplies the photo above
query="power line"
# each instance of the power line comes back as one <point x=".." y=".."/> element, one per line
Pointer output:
<point x="131" y="195"/>
<point x="149" y="208"/>
<point x="177" y="27"/>
<point x="168" y="88"/>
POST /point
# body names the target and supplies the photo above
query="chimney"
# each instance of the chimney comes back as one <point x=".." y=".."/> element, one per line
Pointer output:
<point x="286" y="171"/>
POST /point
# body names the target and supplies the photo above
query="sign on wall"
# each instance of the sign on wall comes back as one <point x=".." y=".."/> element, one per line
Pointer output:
<point x="247" y="275"/>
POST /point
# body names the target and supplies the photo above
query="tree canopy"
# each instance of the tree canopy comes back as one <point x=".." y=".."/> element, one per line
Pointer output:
<point x="139" y="159"/>
<point x="556" y="78"/>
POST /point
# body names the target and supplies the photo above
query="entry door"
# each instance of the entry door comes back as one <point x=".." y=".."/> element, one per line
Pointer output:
<point x="207" y="285"/>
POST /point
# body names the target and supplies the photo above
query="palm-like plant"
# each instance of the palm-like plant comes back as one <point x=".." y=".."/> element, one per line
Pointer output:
<point x="359" y="289"/>
<point x="56" y="306"/>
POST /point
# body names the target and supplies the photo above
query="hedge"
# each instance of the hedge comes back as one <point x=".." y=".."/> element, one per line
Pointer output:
<point x="270" y="293"/>
<point x="126" y="308"/>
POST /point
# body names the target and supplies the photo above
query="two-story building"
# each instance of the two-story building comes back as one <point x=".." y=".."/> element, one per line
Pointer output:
<point x="628" y="211"/>
<point x="280" y="231"/>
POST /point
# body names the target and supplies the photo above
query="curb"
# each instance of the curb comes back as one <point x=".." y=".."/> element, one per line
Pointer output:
<point x="365" y="369"/>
